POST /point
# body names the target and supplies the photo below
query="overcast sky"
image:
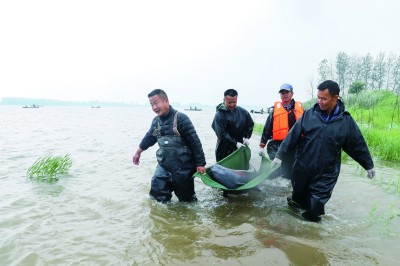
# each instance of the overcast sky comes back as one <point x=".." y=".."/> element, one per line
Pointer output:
<point x="194" y="50"/>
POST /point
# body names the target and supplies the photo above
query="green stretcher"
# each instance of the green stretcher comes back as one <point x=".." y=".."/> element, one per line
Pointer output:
<point x="239" y="160"/>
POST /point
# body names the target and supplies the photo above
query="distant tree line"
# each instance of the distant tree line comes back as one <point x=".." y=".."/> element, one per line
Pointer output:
<point x="48" y="102"/>
<point x="356" y="73"/>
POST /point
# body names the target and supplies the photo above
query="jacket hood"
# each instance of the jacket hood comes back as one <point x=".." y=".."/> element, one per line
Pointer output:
<point x="221" y="107"/>
<point x="339" y="103"/>
<point x="339" y="110"/>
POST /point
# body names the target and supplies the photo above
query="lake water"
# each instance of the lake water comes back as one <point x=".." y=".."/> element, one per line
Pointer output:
<point x="101" y="214"/>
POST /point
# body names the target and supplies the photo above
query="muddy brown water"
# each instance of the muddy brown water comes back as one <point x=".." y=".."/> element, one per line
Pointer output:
<point x="100" y="213"/>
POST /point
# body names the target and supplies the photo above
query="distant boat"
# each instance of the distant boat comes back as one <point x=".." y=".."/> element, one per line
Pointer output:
<point x="258" y="112"/>
<point x="193" y="109"/>
<point x="96" y="106"/>
<point x="31" y="106"/>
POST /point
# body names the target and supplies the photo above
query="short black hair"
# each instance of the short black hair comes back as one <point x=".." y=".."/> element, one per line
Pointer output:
<point x="331" y="85"/>
<point x="230" y="92"/>
<point x="158" y="92"/>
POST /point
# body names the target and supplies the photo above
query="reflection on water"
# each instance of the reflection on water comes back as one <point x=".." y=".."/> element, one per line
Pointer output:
<point x="177" y="229"/>
<point x="101" y="214"/>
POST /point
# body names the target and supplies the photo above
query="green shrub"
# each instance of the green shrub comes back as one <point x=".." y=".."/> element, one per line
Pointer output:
<point x="356" y="87"/>
<point x="258" y="128"/>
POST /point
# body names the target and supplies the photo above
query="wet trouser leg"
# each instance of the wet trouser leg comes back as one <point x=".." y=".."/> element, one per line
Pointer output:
<point x="300" y="193"/>
<point x="317" y="205"/>
<point x="316" y="208"/>
<point x="287" y="167"/>
<point x="320" y="193"/>
<point x="184" y="185"/>
<point x="314" y="195"/>
<point x="161" y="185"/>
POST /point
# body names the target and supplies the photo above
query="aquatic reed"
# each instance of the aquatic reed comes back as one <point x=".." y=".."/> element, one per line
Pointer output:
<point x="48" y="168"/>
<point x="386" y="218"/>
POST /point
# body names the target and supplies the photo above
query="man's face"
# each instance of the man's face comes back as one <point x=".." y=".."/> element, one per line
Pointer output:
<point x="326" y="101"/>
<point x="159" y="105"/>
<point x="286" y="96"/>
<point x="230" y="102"/>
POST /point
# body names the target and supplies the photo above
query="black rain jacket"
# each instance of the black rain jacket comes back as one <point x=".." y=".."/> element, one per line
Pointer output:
<point x="318" y="154"/>
<point x="231" y="127"/>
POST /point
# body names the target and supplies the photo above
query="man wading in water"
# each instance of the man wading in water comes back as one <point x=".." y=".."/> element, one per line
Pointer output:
<point x="180" y="152"/>
<point x="319" y="137"/>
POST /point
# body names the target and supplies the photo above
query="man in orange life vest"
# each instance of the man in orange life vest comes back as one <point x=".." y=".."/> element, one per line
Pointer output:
<point x="277" y="126"/>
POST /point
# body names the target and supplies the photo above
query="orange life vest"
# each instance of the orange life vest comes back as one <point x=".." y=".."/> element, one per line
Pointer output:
<point x="280" y="126"/>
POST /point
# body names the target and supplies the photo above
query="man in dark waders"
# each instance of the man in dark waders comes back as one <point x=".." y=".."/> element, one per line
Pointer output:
<point x="180" y="152"/>
<point x="319" y="136"/>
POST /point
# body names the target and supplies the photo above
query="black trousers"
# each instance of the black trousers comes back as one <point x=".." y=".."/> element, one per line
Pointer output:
<point x="181" y="182"/>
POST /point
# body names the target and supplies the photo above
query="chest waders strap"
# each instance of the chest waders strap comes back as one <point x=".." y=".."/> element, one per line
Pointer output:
<point x="174" y="126"/>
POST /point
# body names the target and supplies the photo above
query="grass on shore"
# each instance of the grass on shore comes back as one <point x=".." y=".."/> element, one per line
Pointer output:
<point x="378" y="116"/>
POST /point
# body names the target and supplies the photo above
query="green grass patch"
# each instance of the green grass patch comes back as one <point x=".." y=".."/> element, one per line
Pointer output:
<point x="375" y="109"/>
<point x="48" y="168"/>
<point x="390" y="184"/>
<point x="384" y="144"/>
<point x="385" y="217"/>
<point x="258" y="128"/>
<point x="378" y="116"/>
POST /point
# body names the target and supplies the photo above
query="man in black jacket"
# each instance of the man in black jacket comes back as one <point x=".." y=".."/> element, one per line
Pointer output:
<point x="232" y="124"/>
<point x="318" y="137"/>
<point x="180" y="152"/>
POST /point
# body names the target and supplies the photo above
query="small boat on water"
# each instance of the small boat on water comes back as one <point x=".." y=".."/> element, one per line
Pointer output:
<point x="193" y="109"/>
<point x="258" y="112"/>
<point x="96" y="106"/>
<point x="31" y="106"/>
